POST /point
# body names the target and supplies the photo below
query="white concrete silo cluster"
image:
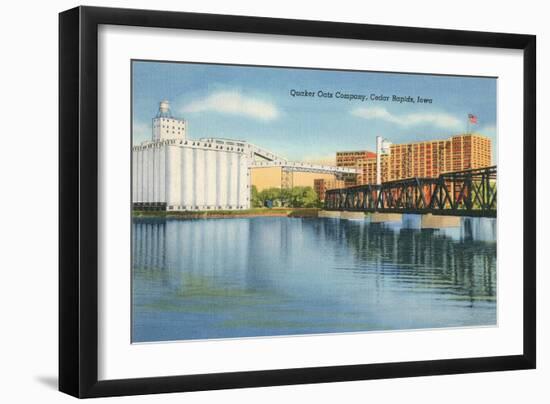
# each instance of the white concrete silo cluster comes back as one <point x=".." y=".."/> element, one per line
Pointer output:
<point x="173" y="172"/>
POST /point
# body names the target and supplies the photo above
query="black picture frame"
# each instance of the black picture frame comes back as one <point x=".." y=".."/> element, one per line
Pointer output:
<point x="78" y="201"/>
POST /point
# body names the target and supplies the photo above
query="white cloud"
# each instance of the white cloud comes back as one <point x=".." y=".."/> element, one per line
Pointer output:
<point x="438" y="119"/>
<point x="235" y="103"/>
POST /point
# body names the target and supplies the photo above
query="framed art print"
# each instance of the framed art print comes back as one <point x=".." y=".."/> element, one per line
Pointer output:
<point x="248" y="201"/>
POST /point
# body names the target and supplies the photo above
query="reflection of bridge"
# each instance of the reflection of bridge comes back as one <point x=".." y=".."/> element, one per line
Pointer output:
<point x="463" y="193"/>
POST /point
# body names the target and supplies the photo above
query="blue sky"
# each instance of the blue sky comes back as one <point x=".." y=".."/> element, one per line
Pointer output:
<point x="256" y="104"/>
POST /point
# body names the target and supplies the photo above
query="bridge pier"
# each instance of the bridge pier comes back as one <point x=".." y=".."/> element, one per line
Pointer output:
<point x="332" y="214"/>
<point x="430" y="221"/>
<point x="378" y="217"/>
<point x="352" y="215"/>
<point x="427" y="221"/>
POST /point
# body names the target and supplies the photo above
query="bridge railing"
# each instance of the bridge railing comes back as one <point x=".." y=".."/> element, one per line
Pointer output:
<point x="463" y="193"/>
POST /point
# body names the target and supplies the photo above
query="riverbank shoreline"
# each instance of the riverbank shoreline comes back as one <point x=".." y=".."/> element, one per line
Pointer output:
<point x="229" y="214"/>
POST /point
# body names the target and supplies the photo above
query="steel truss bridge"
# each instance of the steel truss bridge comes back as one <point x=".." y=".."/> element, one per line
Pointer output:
<point x="462" y="193"/>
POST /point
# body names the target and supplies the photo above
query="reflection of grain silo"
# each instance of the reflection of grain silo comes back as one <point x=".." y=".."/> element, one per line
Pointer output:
<point x="174" y="172"/>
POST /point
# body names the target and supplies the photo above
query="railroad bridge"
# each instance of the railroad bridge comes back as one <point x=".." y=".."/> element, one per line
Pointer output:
<point x="462" y="193"/>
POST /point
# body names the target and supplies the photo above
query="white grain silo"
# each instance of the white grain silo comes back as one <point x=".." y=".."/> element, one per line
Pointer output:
<point x="173" y="172"/>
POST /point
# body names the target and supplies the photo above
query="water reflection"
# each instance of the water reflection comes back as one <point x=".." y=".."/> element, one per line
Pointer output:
<point x="222" y="278"/>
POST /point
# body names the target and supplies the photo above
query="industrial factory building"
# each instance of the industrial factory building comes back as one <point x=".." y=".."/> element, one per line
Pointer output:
<point x="419" y="159"/>
<point x="352" y="159"/>
<point x="322" y="185"/>
<point x="174" y="172"/>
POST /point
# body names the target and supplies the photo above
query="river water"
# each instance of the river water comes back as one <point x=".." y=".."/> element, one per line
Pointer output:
<point x="268" y="276"/>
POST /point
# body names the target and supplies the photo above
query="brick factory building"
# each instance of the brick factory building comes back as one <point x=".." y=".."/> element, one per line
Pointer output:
<point x="351" y="159"/>
<point x="420" y="159"/>
<point x="322" y="185"/>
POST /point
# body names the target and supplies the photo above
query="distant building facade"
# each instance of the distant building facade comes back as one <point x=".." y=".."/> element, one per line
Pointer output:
<point x="352" y="159"/>
<point x="278" y="177"/>
<point x="322" y="185"/>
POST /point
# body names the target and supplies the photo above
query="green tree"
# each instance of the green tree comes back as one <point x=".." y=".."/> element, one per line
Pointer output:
<point x="310" y="198"/>
<point x="255" y="199"/>
<point x="303" y="197"/>
<point x="286" y="197"/>
<point x="296" y="197"/>
<point x="270" y="194"/>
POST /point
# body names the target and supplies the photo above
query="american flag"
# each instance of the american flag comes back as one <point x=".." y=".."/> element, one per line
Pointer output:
<point x="472" y="118"/>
